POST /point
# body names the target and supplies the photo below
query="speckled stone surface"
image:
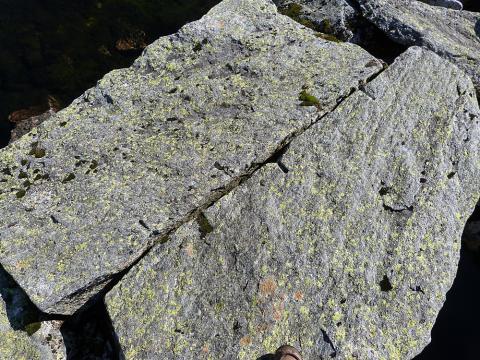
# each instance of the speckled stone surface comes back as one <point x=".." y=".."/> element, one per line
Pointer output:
<point x="84" y="194"/>
<point x="349" y="253"/>
<point x="453" y="34"/>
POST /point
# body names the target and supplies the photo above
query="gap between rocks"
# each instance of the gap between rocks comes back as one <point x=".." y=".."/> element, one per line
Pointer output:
<point x="455" y="333"/>
<point x="89" y="333"/>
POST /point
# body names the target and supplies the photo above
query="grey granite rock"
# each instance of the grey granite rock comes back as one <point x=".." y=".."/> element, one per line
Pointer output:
<point x="335" y="17"/>
<point x="346" y="248"/>
<point x="454" y="35"/>
<point x="86" y="193"/>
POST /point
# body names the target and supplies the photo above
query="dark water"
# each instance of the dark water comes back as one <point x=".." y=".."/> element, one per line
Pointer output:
<point x="60" y="48"/>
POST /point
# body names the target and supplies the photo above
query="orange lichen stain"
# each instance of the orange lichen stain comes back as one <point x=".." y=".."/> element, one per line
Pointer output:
<point x="205" y="349"/>
<point x="189" y="250"/>
<point x="245" y="341"/>
<point x="268" y="287"/>
<point x="278" y="311"/>
<point x="298" y="296"/>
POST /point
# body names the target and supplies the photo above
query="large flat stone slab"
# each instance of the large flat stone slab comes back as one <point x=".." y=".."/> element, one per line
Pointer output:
<point x="454" y="35"/>
<point x="350" y="253"/>
<point x="86" y="193"/>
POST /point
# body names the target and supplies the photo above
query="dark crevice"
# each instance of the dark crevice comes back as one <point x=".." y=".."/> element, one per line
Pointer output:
<point x="374" y="40"/>
<point x="455" y="333"/>
<point x="327" y="339"/>
<point x="391" y="209"/>
<point x="89" y="333"/>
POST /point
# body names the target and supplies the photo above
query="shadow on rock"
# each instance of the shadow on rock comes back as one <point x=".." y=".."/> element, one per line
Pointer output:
<point x="477" y="28"/>
<point x="21" y="311"/>
<point x="456" y="333"/>
<point x="89" y="333"/>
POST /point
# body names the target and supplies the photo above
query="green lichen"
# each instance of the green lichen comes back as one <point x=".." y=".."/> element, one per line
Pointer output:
<point x="308" y="99"/>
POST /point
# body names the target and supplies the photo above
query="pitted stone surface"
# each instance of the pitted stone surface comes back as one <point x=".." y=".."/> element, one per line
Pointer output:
<point x="348" y="255"/>
<point x="452" y="34"/>
<point x="83" y="195"/>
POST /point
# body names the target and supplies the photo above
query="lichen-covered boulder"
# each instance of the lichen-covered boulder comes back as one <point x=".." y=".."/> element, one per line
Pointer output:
<point x="345" y="249"/>
<point x="86" y="193"/>
<point x="452" y="34"/>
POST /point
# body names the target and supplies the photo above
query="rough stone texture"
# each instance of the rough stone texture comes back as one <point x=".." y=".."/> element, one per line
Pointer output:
<point x="336" y="17"/>
<point x="454" y="35"/>
<point x="349" y="253"/>
<point x="83" y="195"/>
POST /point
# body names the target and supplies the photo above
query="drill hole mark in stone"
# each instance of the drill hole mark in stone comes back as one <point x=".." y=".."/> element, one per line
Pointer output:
<point x="417" y="289"/>
<point x="277" y="157"/>
<point x="204" y="225"/>
<point x="143" y="224"/>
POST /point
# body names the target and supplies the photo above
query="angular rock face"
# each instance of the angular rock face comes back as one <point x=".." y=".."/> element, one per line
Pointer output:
<point x="345" y="249"/>
<point x="87" y="192"/>
<point x="454" y="35"/>
<point x="336" y="17"/>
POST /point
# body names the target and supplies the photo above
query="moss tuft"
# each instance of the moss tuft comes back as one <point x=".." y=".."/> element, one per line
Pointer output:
<point x="308" y="99"/>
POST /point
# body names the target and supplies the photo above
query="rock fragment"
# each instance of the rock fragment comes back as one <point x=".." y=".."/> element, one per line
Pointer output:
<point x="454" y="35"/>
<point x="348" y="253"/>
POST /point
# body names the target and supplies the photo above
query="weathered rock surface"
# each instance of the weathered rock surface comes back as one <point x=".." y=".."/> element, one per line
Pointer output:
<point x="348" y="248"/>
<point x="336" y="17"/>
<point x="86" y="193"/>
<point x="454" y="35"/>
